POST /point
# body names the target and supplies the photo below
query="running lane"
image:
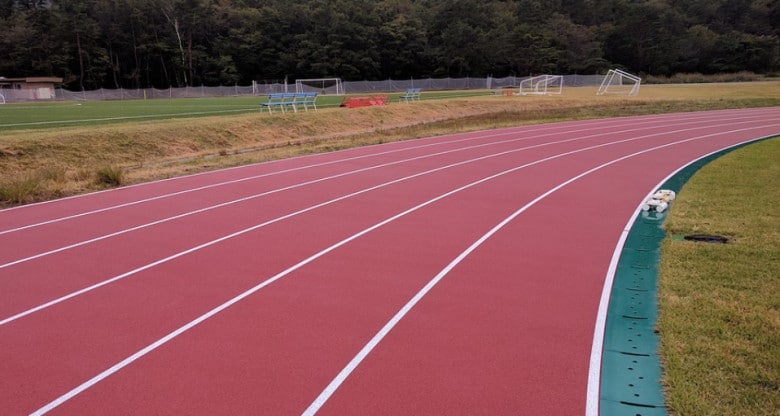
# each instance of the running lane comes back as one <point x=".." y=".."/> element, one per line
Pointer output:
<point x="450" y="275"/>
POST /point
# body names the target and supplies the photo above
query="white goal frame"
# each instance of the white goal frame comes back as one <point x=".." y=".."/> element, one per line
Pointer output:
<point x="541" y="85"/>
<point x="320" y="85"/>
<point x="614" y="83"/>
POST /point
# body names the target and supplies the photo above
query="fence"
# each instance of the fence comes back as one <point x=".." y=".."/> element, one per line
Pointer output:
<point x="350" y="87"/>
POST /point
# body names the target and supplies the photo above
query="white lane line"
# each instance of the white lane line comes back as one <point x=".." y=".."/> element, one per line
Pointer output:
<point x="597" y="346"/>
<point x="337" y="381"/>
<point x="234" y="181"/>
<point x="470" y="136"/>
<point x="253" y="228"/>
<point x="72" y="295"/>
<point x="151" y="347"/>
<point x="592" y="124"/>
<point x="302" y="184"/>
<point x="205" y="209"/>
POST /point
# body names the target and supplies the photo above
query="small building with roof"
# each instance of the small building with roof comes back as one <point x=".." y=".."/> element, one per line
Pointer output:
<point x="29" y="88"/>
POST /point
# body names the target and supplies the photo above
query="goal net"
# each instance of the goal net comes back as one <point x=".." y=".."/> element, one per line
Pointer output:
<point x="320" y="85"/>
<point x="541" y="85"/>
<point x="618" y="82"/>
<point x="2" y="98"/>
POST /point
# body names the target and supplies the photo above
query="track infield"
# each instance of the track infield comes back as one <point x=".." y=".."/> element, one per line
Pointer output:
<point x="458" y="274"/>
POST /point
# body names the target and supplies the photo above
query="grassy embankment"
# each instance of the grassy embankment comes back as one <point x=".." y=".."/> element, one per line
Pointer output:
<point x="720" y="303"/>
<point x="40" y="162"/>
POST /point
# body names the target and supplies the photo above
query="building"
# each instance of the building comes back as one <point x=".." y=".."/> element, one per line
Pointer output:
<point x="29" y="88"/>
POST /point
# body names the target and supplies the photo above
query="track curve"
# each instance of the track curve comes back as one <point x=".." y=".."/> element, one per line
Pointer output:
<point x="457" y="274"/>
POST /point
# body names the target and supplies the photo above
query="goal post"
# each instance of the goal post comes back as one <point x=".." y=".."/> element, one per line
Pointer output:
<point x="541" y="85"/>
<point x="320" y="85"/>
<point x="619" y="82"/>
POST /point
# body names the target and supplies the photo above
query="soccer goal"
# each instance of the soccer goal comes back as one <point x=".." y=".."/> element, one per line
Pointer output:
<point x="618" y="82"/>
<point x="541" y="85"/>
<point x="320" y="85"/>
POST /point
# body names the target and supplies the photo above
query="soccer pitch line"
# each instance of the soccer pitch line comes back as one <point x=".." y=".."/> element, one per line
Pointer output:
<point x="148" y="116"/>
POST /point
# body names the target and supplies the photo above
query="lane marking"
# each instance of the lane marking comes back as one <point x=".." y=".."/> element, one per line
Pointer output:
<point x="253" y="228"/>
<point x="151" y="347"/>
<point x="594" y="124"/>
<point x="301" y="184"/>
<point x="230" y="182"/>
<point x="593" y="391"/>
<point x="244" y="199"/>
<point x="98" y="285"/>
<point x="337" y="381"/>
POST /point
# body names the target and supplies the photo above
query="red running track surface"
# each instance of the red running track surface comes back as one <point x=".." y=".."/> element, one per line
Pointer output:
<point x="459" y="274"/>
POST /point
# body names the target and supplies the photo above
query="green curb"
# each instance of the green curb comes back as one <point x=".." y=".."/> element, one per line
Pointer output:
<point x="630" y="367"/>
<point x="631" y="370"/>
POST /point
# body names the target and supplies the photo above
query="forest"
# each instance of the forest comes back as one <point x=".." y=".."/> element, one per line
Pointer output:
<point x="173" y="43"/>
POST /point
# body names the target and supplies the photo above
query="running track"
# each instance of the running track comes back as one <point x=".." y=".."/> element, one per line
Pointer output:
<point x="459" y="274"/>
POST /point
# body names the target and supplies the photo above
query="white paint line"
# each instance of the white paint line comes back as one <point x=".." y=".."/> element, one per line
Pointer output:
<point x="302" y="184"/>
<point x="597" y="347"/>
<point x="234" y="181"/>
<point x="337" y="381"/>
<point x="205" y="209"/>
<point x="129" y="360"/>
<point x="132" y="358"/>
<point x="593" y="124"/>
<point x="98" y="285"/>
<point x="72" y="295"/>
<point x="151" y="116"/>
<point x="505" y="131"/>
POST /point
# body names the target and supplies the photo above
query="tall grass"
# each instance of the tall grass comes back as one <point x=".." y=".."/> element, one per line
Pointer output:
<point x="29" y="186"/>
<point x="110" y="176"/>
<point x="19" y="189"/>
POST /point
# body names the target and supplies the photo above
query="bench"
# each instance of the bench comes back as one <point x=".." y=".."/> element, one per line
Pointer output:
<point x="280" y="100"/>
<point x="411" y="94"/>
<point x="285" y="100"/>
<point x="305" y="99"/>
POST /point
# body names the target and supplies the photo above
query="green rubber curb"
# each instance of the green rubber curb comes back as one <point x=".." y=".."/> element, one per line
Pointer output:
<point x="630" y="366"/>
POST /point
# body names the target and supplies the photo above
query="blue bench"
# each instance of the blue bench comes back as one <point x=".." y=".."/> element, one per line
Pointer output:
<point x="411" y="94"/>
<point x="285" y="100"/>
<point x="281" y="100"/>
<point x="305" y="99"/>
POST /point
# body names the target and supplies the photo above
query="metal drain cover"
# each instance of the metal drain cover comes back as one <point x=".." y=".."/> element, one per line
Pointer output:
<point x="706" y="238"/>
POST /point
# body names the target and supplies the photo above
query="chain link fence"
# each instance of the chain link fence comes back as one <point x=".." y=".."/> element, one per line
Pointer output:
<point x="259" y="89"/>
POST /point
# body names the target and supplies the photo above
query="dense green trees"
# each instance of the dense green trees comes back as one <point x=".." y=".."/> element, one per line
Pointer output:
<point x="161" y="43"/>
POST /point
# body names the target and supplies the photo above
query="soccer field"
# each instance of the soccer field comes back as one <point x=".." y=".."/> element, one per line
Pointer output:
<point x="71" y="113"/>
<point x="85" y="113"/>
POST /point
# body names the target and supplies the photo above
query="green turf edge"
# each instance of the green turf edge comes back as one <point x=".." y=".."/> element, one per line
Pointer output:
<point x="631" y="368"/>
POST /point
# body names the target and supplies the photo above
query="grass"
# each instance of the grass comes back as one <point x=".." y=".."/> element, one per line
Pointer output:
<point x="110" y="176"/>
<point x="182" y="136"/>
<point x="720" y="304"/>
<point x="94" y="113"/>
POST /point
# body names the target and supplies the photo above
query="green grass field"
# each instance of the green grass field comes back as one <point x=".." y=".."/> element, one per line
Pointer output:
<point x="720" y="303"/>
<point x="84" y="113"/>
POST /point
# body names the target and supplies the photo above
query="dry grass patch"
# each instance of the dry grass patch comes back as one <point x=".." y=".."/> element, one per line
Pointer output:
<point x="159" y="149"/>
